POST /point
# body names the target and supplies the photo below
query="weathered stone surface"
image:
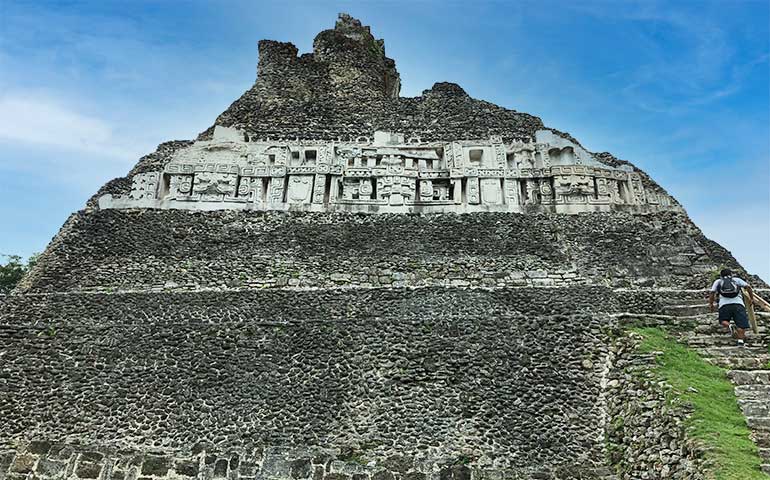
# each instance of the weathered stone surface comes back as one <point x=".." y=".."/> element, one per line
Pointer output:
<point x="283" y="370"/>
<point x="23" y="463"/>
<point x="156" y="250"/>
<point x="155" y="466"/>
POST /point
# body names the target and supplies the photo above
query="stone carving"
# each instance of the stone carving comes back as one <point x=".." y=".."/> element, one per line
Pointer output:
<point x="546" y="192"/>
<point x="603" y="190"/>
<point x="300" y="189"/>
<point x="473" y="193"/>
<point x="511" y="191"/>
<point x="145" y="185"/>
<point x="638" y="190"/>
<point x="180" y="186"/>
<point x="389" y="174"/>
<point x="531" y="192"/>
<point x="426" y="190"/>
<point x="319" y="191"/>
<point x="573" y="188"/>
<point x="250" y="189"/>
<point x="491" y="191"/>
<point x="210" y="186"/>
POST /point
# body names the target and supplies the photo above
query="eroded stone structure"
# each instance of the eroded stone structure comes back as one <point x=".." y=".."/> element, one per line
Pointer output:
<point x="388" y="173"/>
<point x="334" y="282"/>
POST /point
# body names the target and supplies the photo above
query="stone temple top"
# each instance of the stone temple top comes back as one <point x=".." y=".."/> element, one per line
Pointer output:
<point x="327" y="131"/>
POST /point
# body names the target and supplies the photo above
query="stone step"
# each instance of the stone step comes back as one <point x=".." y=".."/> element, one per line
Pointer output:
<point x="724" y="340"/>
<point x="680" y="310"/>
<point x="708" y="317"/>
<point x="682" y="296"/>
<point x="704" y="322"/>
<point x="755" y="408"/>
<point x="759" y="423"/>
<point x="765" y="467"/>
<point x="753" y="392"/>
<point x="764" y="453"/>
<point x="734" y="351"/>
<point x="740" y="363"/>
<point x="762" y="439"/>
<point x="749" y="377"/>
<point x="713" y="328"/>
<point x="684" y="302"/>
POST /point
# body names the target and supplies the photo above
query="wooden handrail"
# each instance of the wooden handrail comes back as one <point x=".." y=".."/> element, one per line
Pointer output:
<point x="761" y="302"/>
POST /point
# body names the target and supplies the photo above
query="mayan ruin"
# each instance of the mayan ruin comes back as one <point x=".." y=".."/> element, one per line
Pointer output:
<point x="335" y="282"/>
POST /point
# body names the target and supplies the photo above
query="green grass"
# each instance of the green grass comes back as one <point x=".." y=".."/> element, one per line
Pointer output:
<point x="716" y="420"/>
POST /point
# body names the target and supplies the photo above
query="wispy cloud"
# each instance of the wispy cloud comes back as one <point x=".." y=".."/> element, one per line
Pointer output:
<point x="687" y="58"/>
<point x="48" y="122"/>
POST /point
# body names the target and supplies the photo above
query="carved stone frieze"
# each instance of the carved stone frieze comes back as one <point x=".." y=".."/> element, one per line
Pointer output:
<point x="388" y="174"/>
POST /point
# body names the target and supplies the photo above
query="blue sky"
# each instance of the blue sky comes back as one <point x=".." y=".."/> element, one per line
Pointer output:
<point x="679" y="88"/>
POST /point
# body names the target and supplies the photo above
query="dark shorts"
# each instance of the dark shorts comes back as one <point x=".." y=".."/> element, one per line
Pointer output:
<point x="735" y="312"/>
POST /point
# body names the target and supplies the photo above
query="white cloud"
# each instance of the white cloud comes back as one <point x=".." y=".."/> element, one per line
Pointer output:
<point x="44" y="121"/>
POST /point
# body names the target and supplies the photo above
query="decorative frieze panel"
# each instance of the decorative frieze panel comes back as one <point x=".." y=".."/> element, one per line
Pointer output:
<point x="144" y="186"/>
<point x="388" y="174"/>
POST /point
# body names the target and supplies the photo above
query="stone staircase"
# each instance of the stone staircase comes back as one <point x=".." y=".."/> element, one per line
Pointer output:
<point x="748" y="368"/>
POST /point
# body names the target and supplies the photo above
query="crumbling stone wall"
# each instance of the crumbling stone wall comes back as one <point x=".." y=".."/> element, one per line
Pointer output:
<point x="154" y="250"/>
<point x="646" y="434"/>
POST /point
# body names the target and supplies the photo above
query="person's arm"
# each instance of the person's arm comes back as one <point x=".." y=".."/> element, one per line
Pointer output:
<point x="744" y="284"/>
<point x="713" y="294"/>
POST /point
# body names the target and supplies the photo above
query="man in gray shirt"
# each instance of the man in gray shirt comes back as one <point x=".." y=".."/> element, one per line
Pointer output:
<point x="731" y="307"/>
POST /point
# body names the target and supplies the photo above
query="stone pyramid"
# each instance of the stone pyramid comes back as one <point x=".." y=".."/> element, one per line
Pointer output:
<point x="334" y="282"/>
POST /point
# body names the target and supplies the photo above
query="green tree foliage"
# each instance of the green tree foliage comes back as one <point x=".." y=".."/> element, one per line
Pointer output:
<point x="12" y="271"/>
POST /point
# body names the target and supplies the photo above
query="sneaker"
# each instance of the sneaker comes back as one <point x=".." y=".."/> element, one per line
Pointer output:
<point x="741" y="343"/>
<point x="733" y="332"/>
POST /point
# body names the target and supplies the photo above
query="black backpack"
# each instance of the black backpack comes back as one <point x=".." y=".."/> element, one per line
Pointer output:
<point x="729" y="288"/>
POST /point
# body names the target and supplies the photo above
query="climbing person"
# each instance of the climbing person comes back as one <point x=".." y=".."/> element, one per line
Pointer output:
<point x="731" y="307"/>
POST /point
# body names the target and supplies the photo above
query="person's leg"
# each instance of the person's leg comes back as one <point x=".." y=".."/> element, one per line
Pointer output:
<point x="724" y="319"/>
<point x="741" y="321"/>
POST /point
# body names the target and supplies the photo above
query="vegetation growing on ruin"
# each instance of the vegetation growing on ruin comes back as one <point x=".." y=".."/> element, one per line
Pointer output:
<point x="13" y="270"/>
<point x="716" y="420"/>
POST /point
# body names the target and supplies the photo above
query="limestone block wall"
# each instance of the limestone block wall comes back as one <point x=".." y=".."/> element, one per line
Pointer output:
<point x="277" y="305"/>
<point x="178" y="250"/>
<point x="47" y="461"/>
<point x="233" y="372"/>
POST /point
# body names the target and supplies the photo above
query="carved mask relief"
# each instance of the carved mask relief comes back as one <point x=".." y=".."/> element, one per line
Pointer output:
<point x="213" y="186"/>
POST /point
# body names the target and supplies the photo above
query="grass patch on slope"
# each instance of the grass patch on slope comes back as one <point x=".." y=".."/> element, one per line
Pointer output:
<point x="716" y="420"/>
